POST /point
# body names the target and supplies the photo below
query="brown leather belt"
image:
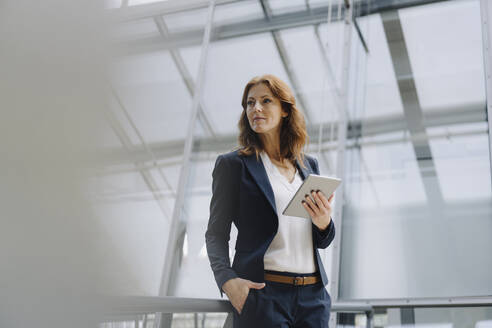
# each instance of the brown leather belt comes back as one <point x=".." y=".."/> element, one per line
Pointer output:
<point x="296" y="281"/>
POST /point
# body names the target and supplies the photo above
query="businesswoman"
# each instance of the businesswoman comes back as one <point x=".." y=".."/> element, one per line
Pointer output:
<point x="277" y="278"/>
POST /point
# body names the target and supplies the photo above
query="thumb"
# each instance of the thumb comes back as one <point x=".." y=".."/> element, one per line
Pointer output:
<point x="256" y="285"/>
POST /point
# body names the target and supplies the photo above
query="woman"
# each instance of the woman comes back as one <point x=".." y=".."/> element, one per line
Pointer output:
<point x="277" y="278"/>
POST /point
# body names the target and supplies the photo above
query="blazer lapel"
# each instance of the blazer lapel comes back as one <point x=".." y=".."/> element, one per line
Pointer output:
<point x="257" y="170"/>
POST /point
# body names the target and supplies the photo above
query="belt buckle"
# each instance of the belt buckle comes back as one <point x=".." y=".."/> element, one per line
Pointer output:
<point x="298" y="281"/>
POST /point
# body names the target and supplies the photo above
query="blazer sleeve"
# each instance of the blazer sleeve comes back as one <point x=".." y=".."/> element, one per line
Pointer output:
<point x="219" y="224"/>
<point x="322" y="238"/>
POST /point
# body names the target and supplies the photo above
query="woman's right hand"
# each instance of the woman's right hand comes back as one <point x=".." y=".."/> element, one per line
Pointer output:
<point x="237" y="290"/>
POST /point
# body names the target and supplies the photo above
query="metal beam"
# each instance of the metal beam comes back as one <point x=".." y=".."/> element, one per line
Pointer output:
<point x="341" y="148"/>
<point x="194" y="37"/>
<point x="174" y="6"/>
<point x="361" y="37"/>
<point x="185" y="75"/>
<point x="356" y="129"/>
<point x="140" y="305"/>
<point x="175" y="240"/>
<point x="222" y="32"/>
<point x="177" y="229"/>
<point x="160" y="8"/>
<point x="327" y="146"/>
<point x="380" y="6"/>
<point x="441" y="302"/>
<point x="412" y="109"/>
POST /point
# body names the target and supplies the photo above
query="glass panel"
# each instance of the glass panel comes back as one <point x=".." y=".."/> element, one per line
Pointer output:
<point x="460" y="156"/>
<point x="317" y="89"/>
<point x="152" y="91"/>
<point x="444" y="42"/>
<point x="477" y="317"/>
<point x="419" y="208"/>
<point x="382" y="97"/>
<point x="233" y="62"/>
<point x="191" y="57"/>
<point x="186" y="20"/>
<point x="195" y="278"/>
<point x="148" y="115"/>
<point x="332" y="37"/>
<point x="280" y="7"/>
<point x="238" y="12"/>
<point x="454" y="317"/>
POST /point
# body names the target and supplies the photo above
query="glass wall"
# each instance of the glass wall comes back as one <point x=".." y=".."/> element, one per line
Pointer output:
<point x="418" y="209"/>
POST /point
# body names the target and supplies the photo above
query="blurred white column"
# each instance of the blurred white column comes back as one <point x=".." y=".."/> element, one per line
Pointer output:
<point x="51" y="92"/>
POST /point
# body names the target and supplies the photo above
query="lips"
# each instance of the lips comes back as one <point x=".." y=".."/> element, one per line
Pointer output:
<point x="258" y="118"/>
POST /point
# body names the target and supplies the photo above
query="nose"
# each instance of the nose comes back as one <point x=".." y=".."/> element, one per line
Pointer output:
<point x="258" y="106"/>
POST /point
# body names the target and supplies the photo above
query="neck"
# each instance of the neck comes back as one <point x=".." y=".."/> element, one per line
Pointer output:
<point x="271" y="145"/>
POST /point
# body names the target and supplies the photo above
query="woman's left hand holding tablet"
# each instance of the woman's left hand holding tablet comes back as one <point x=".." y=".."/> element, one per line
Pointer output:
<point x="319" y="209"/>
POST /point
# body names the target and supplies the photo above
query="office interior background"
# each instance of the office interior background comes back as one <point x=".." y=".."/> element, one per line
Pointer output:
<point x="394" y="93"/>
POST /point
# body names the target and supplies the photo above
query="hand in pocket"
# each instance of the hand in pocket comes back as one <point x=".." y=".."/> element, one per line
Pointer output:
<point x="238" y="289"/>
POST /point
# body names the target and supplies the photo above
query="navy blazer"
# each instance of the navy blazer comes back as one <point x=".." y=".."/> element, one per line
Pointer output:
<point x="242" y="195"/>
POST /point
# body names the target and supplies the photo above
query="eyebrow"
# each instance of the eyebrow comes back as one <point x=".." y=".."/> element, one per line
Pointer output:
<point x="260" y="97"/>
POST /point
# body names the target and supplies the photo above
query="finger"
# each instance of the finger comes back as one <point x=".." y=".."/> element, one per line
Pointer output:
<point x="311" y="203"/>
<point x="326" y="202"/>
<point x="331" y="197"/>
<point x="256" y="285"/>
<point x="238" y="306"/>
<point x="308" y="209"/>
<point x="318" y="198"/>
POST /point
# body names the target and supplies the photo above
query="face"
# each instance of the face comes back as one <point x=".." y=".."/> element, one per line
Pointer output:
<point x="264" y="110"/>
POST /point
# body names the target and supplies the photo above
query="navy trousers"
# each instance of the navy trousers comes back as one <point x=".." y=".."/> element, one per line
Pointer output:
<point x="282" y="305"/>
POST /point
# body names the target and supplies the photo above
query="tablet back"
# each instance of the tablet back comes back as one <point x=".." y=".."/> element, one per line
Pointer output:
<point x="313" y="182"/>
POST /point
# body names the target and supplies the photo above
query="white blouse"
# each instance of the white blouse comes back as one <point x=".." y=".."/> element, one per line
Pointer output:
<point x="291" y="249"/>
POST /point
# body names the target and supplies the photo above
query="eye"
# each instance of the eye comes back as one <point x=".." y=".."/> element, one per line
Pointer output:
<point x="266" y="100"/>
<point x="250" y="103"/>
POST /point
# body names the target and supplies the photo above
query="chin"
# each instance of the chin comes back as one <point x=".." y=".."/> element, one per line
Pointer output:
<point x="258" y="130"/>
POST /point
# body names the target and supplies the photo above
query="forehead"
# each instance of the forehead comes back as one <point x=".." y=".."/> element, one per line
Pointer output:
<point x="259" y="90"/>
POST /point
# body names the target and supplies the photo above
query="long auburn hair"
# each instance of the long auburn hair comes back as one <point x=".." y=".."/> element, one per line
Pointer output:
<point x="293" y="135"/>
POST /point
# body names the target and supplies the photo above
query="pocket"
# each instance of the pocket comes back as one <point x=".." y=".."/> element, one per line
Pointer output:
<point x="246" y="302"/>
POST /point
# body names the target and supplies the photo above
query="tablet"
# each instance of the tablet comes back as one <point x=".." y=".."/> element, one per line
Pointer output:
<point x="313" y="182"/>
